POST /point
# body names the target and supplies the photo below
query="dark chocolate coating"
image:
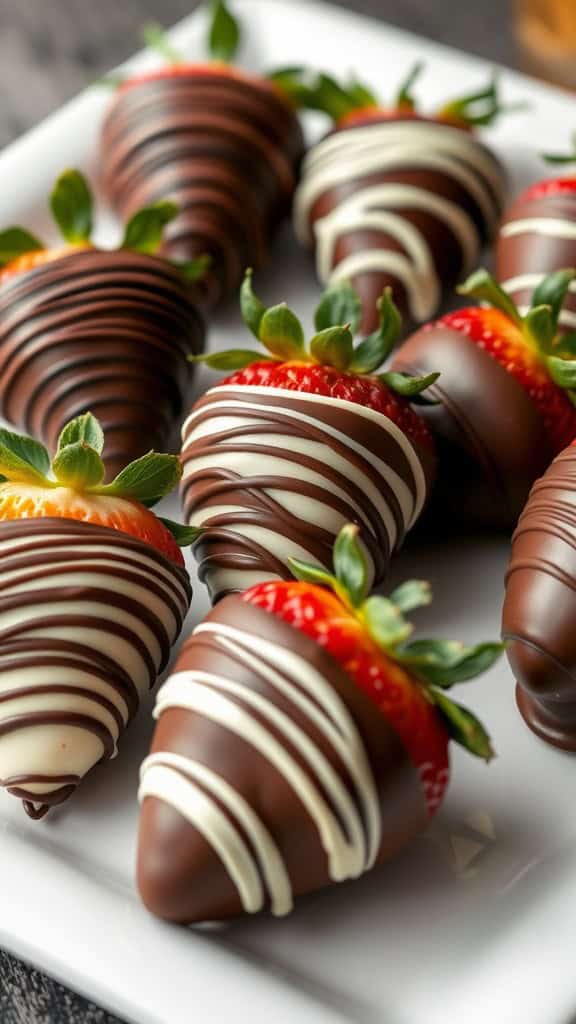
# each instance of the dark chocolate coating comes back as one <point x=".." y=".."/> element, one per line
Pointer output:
<point x="180" y="877"/>
<point x="537" y="252"/>
<point x="225" y="147"/>
<point x="438" y="235"/>
<point x="491" y="440"/>
<point x="105" y="331"/>
<point x="538" y="621"/>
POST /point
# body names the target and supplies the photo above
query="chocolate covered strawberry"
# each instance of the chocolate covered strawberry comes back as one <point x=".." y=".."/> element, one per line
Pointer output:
<point x="82" y="327"/>
<point x="302" y="739"/>
<point x="506" y="399"/>
<point x="222" y="143"/>
<point x="540" y="605"/>
<point x="392" y="197"/>
<point x="297" y="442"/>
<point x="93" y="593"/>
<point x="538" y="236"/>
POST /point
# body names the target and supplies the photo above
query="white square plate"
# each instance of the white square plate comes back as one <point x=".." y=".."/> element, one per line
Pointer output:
<point x="477" y="921"/>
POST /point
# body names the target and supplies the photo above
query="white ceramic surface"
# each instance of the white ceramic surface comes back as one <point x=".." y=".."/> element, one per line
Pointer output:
<point x="477" y="921"/>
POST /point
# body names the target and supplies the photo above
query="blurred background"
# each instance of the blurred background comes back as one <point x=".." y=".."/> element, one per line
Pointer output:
<point x="50" y="49"/>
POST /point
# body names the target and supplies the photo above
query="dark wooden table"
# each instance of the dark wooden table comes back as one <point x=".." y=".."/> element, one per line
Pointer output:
<point x="49" y="50"/>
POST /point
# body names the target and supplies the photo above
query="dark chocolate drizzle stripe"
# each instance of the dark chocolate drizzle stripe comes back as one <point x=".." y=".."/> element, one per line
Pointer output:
<point x="419" y="201"/>
<point x="266" y="415"/>
<point x="525" y="255"/>
<point x="246" y="664"/>
<point x="227" y="151"/>
<point x="109" y="331"/>
<point x="134" y="599"/>
<point x="540" y="605"/>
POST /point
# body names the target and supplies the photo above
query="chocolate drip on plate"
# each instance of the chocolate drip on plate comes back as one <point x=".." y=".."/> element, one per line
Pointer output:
<point x="540" y="605"/>
<point x="105" y="331"/>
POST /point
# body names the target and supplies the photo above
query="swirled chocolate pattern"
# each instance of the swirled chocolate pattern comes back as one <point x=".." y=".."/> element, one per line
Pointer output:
<point x="407" y="204"/>
<point x="273" y="474"/>
<point x="270" y="774"/>
<point x="224" y="146"/>
<point x="87" y="619"/>
<point x="106" y="331"/>
<point x="539" y="615"/>
<point x="538" y="236"/>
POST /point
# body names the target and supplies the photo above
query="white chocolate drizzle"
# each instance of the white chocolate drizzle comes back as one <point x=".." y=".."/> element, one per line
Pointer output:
<point x="350" y="838"/>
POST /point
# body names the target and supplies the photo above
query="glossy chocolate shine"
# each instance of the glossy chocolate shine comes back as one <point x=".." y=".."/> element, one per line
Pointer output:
<point x="538" y="621"/>
<point x="106" y="331"/>
<point x="88" y="616"/>
<point x="181" y="876"/>
<point x="491" y="439"/>
<point x="225" y="148"/>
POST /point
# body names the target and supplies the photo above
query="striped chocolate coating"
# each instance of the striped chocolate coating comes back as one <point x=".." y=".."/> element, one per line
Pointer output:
<point x="88" y="616"/>
<point x="271" y="774"/>
<point x="225" y="147"/>
<point x="272" y="474"/>
<point x="105" y="331"/>
<point x="536" y="237"/>
<point x="538" y="621"/>
<point x="405" y="203"/>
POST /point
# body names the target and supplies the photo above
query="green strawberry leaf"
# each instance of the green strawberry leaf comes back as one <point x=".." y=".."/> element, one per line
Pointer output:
<point x="84" y="428"/>
<point x="293" y="83"/>
<point x="156" y="38"/>
<point x="482" y="286"/>
<point x="405" y="385"/>
<point x="333" y="347"/>
<point x="404" y="100"/>
<point x="233" y="359"/>
<point x="361" y="95"/>
<point x="446" y="662"/>
<point x="281" y="333"/>
<point x="308" y="573"/>
<point x="339" y="305"/>
<point x="562" y="371"/>
<point x="146" y="480"/>
<point x="565" y="345"/>
<point x="463" y="726"/>
<point x="250" y="306"/>
<point x="411" y="594"/>
<point x="372" y="352"/>
<point x="71" y="205"/>
<point x="481" y="107"/>
<point x="385" y="622"/>
<point x="552" y="292"/>
<point x="78" y="466"/>
<point x="224" y="34"/>
<point x="145" y="230"/>
<point x="183" y="535"/>
<point x="15" y="242"/>
<point x="23" y="460"/>
<point x="561" y="158"/>
<point x="328" y="96"/>
<point x="350" y="565"/>
<point x="540" y="328"/>
<point x="193" y="270"/>
<point x="29" y="451"/>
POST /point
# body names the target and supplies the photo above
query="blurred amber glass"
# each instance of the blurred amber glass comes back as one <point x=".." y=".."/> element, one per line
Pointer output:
<point x="546" y="32"/>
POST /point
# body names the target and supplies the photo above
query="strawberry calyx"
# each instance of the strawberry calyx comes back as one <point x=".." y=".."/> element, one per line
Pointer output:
<point x="78" y="466"/>
<point x="348" y="102"/>
<point x="434" y="665"/>
<point x="538" y="328"/>
<point x="336" y="320"/>
<point x="72" y="208"/>
<point x="562" y="158"/>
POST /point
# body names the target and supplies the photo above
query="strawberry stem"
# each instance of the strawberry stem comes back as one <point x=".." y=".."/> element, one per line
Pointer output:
<point x="436" y="665"/>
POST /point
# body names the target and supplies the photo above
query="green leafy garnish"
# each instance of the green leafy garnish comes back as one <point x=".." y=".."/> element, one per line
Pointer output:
<point x="224" y="33"/>
<point x="15" y="242"/>
<point x="71" y="205"/>
<point x="144" y="231"/>
<point x="434" y="665"/>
